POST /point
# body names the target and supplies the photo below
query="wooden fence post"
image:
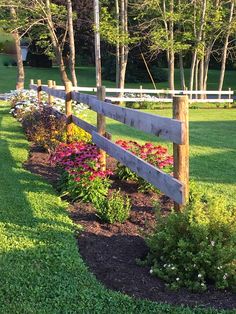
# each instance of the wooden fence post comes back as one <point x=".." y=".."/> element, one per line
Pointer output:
<point x="181" y="152"/>
<point x="50" y="97"/>
<point x="68" y="104"/>
<point x="39" y="91"/>
<point x="101" y="126"/>
<point x="31" y="82"/>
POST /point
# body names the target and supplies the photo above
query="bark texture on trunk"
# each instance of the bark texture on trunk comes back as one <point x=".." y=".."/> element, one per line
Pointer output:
<point x="171" y="63"/>
<point x="124" y="49"/>
<point x="72" y="42"/>
<point x="117" y="45"/>
<point x="20" y="66"/>
<point x="97" y="45"/>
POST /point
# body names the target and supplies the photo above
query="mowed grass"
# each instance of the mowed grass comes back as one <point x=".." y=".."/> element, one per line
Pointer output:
<point x="212" y="145"/>
<point x="86" y="77"/>
<point x="41" y="269"/>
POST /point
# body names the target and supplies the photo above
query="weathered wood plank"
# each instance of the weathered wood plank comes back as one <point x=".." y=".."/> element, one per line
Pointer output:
<point x="54" y="92"/>
<point x="166" y="128"/>
<point x="84" y="125"/>
<point x="33" y="87"/>
<point x="166" y="183"/>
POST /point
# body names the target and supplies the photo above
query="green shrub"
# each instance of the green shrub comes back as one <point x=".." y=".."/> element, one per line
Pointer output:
<point x="196" y="247"/>
<point x="44" y="127"/>
<point x="82" y="175"/>
<point x="133" y="105"/>
<point x="116" y="208"/>
<point x="84" y="189"/>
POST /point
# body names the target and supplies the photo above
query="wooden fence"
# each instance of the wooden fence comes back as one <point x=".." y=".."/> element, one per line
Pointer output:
<point x="175" y="130"/>
<point x="160" y="95"/>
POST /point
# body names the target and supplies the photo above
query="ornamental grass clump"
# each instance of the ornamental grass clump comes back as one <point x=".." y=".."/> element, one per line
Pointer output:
<point x="82" y="176"/>
<point x="197" y="247"/>
<point x="115" y="208"/>
<point x="156" y="155"/>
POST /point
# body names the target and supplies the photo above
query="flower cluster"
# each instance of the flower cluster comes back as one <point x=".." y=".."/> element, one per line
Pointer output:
<point x="23" y="101"/>
<point x="83" y="177"/>
<point x="154" y="154"/>
<point x="79" y="158"/>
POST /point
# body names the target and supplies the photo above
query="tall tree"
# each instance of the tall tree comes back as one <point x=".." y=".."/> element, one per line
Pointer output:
<point x="20" y="66"/>
<point x="226" y="44"/>
<point x="71" y="42"/>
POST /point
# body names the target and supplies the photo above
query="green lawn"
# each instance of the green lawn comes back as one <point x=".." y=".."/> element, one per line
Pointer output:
<point x="41" y="269"/>
<point x="86" y="77"/>
<point x="212" y="145"/>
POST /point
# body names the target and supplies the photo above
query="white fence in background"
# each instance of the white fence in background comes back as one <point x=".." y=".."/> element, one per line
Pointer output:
<point x="160" y="95"/>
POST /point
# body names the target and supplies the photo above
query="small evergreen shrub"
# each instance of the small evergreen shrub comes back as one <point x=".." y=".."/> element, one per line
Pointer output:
<point x="116" y="208"/>
<point x="196" y="247"/>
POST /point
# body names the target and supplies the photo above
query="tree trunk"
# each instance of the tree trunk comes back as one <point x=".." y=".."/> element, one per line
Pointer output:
<point x="181" y="71"/>
<point x="97" y="45"/>
<point x="198" y="39"/>
<point x="196" y="74"/>
<point x="56" y="44"/>
<point x="201" y="78"/>
<point x="72" y="42"/>
<point x="172" y="53"/>
<point x="124" y="46"/>
<point x="171" y="67"/>
<point x="225" y="49"/>
<point x="20" y="66"/>
<point x="117" y="45"/>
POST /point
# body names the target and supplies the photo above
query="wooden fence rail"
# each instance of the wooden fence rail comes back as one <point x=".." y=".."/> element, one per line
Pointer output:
<point x="174" y="130"/>
<point x="161" y="95"/>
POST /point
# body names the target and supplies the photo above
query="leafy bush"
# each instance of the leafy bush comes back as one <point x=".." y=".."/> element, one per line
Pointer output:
<point x="156" y="155"/>
<point x="82" y="175"/>
<point x="42" y="124"/>
<point x="196" y="247"/>
<point x="116" y="208"/>
<point x="44" y="127"/>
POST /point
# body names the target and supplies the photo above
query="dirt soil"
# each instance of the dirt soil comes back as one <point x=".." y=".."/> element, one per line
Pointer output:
<point x="111" y="251"/>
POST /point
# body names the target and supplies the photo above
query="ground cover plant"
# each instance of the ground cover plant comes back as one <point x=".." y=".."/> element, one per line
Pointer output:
<point x="197" y="246"/>
<point x="114" y="208"/>
<point x="37" y="241"/>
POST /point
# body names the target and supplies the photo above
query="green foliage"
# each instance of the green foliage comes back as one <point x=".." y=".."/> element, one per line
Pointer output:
<point x="35" y="231"/>
<point x="196" y="247"/>
<point x="136" y="71"/>
<point x="115" y="208"/>
<point x="44" y="127"/>
<point x="85" y="189"/>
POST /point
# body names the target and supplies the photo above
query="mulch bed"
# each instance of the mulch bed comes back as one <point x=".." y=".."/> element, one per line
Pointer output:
<point x="111" y="251"/>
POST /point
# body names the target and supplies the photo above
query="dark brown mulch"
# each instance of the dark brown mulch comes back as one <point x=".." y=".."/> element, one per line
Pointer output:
<point x="111" y="251"/>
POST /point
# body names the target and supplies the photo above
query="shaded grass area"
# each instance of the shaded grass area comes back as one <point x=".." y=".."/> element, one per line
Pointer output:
<point x="41" y="270"/>
<point x="212" y="145"/>
<point x="86" y="77"/>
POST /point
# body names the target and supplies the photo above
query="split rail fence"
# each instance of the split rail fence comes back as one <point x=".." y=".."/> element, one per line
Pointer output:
<point x="175" y="130"/>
